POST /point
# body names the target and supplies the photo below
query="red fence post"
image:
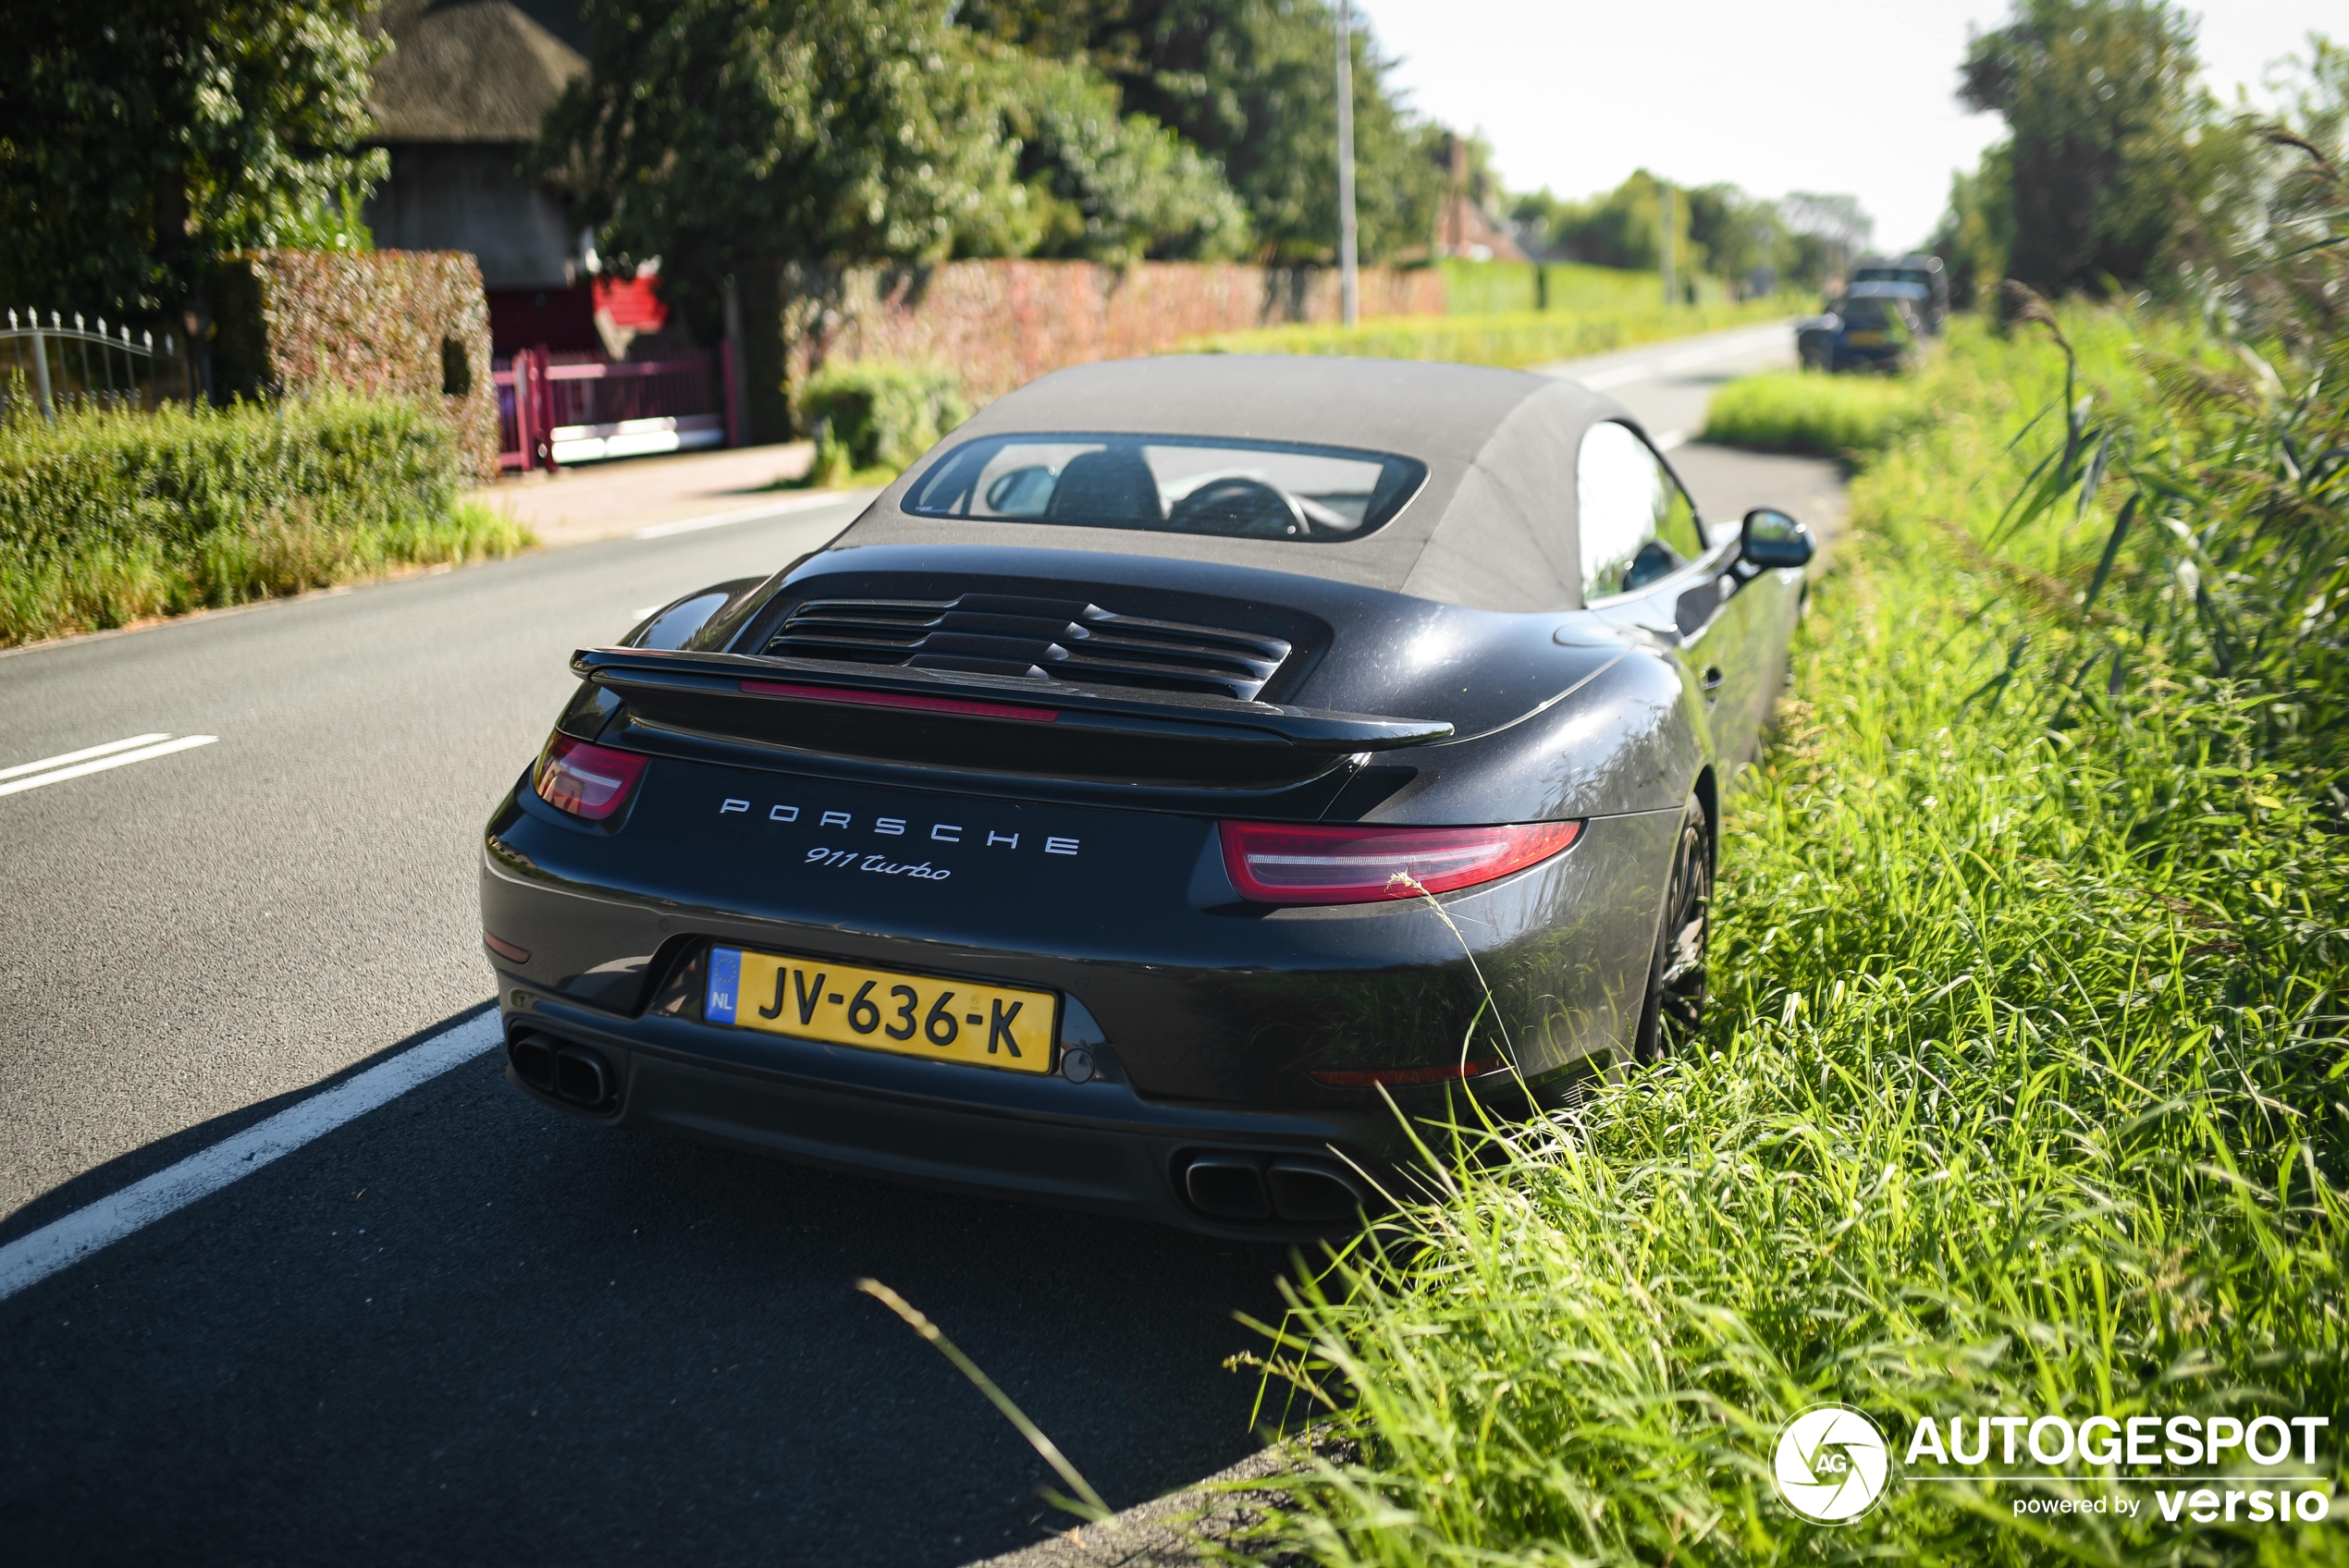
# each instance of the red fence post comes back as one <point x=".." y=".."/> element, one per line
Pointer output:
<point x="525" y="435"/>
<point x="542" y="393"/>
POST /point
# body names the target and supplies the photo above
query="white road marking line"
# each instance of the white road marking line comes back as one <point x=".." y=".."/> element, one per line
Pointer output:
<point x="63" y="1243"/>
<point x="120" y="759"/>
<point x="772" y="509"/>
<point x="1670" y="439"/>
<point x="63" y="758"/>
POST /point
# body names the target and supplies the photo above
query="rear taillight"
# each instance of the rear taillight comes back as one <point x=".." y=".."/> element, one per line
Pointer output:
<point x="585" y="780"/>
<point x="1275" y="862"/>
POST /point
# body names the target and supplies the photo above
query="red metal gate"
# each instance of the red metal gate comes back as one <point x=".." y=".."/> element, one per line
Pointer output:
<point x="556" y="410"/>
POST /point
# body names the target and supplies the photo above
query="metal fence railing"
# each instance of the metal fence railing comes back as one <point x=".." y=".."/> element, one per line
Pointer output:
<point x="81" y="366"/>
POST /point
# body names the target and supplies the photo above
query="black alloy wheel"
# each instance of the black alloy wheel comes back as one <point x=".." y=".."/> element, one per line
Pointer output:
<point x="1673" y="1007"/>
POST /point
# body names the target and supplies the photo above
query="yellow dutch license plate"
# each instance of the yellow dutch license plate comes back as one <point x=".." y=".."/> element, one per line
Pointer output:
<point x="1869" y="340"/>
<point x="881" y="1009"/>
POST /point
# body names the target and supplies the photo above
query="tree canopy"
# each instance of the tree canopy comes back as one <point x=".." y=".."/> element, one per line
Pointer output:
<point x="1253" y="85"/>
<point x="2111" y="139"/>
<point x="1105" y="186"/>
<point x="727" y="134"/>
<point x="140" y="139"/>
<point x="1717" y="228"/>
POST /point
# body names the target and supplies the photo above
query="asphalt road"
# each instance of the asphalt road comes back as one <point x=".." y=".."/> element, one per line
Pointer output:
<point x="460" y="1328"/>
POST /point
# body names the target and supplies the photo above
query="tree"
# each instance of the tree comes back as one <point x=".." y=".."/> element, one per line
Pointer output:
<point x="1251" y="84"/>
<point x="141" y="139"/>
<point x="1736" y="235"/>
<point x="1978" y="232"/>
<point x="1616" y="228"/>
<point x="728" y="137"/>
<point x="1104" y="186"/>
<point x="2110" y="141"/>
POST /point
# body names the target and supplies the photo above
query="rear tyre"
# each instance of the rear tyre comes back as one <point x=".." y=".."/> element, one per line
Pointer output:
<point x="1673" y="1007"/>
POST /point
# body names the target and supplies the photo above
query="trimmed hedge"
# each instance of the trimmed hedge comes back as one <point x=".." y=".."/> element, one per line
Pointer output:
<point x="411" y="325"/>
<point x="878" y="416"/>
<point x="106" y="517"/>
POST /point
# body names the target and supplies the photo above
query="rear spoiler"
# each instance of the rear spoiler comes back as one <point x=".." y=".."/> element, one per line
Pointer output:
<point x="780" y="701"/>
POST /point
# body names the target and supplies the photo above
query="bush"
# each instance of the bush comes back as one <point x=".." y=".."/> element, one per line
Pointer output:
<point x="878" y="417"/>
<point x="106" y="517"/>
<point x="1824" y="415"/>
<point x="1519" y="338"/>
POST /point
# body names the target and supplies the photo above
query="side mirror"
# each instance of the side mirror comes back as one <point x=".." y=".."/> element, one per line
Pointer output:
<point x="1770" y="538"/>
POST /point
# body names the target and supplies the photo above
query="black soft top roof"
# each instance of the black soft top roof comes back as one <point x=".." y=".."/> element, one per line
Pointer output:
<point x="1492" y="528"/>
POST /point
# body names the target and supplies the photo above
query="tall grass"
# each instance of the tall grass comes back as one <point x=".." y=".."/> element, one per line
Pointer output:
<point x="1514" y="339"/>
<point x="2025" y="1086"/>
<point x="106" y="517"/>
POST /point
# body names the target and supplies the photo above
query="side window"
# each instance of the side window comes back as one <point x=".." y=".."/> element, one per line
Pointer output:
<point x="1637" y="524"/>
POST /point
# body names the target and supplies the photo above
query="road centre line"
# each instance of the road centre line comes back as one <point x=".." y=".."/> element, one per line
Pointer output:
<point x="773" y="509"/>
<point x="64" y="758"/>
<point x="99" y="765"/>
<point x="62" y="1242"/>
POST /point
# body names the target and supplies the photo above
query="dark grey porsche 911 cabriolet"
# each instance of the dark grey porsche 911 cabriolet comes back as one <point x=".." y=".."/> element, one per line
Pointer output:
<point x="1147" y="789"/>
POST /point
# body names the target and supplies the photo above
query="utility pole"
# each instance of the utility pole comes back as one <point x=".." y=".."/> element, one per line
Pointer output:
<point x="1665" y="215"/>
<point x="1349" y="283"/>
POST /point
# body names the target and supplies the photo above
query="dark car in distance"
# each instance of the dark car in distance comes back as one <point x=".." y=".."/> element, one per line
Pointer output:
<point x="1872" y="326"/>
<point x="1185" y="768"/>
<point x="1921" y="272"/>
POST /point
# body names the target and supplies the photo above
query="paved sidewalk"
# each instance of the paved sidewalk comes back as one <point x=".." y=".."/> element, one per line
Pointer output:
<point x="572" y="506"/>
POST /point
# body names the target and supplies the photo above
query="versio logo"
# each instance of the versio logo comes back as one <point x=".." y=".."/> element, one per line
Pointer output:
<point x="1830" y="1463"/>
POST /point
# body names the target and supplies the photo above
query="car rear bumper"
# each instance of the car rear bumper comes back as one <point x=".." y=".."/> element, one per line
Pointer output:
<point x="1096" y="1145"/>
<point x="1220" y="1030"/>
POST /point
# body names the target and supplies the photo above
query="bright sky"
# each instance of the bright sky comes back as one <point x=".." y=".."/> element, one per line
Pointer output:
<point x="1830" y="95"/>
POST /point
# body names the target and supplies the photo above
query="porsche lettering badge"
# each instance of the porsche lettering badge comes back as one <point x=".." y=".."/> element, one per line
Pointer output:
<point x="995" y="839"/>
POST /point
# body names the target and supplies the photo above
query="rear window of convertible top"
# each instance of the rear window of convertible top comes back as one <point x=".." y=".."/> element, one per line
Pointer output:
<point x="1171" y="484"/>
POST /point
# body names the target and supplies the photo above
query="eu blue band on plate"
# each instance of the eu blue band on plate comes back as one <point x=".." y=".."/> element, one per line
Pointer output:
<point x="725" y="980"/>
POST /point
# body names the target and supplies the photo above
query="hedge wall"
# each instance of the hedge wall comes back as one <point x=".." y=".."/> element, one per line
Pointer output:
<point x="411" y="325"/>
<point x="108" y="517"/>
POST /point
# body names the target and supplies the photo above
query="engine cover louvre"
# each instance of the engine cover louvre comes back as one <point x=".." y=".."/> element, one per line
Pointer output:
<point x="1006" y="635"/>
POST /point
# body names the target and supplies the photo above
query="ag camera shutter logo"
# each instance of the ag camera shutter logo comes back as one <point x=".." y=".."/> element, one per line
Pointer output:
<point x="1831" y="1463"/>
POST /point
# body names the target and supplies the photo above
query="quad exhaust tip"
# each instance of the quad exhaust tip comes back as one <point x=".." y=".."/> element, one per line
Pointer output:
<point x="575" y="1074"/>
<point x="1239" y="1184"/>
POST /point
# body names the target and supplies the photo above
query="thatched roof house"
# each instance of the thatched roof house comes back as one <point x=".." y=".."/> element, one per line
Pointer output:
<point x="459" y="101"/>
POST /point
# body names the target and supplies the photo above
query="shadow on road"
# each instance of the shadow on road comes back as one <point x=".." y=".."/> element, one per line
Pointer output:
<point x="466" y="1329"/>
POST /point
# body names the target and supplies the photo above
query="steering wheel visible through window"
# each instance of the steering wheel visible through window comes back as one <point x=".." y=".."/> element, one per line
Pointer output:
<point x="1248" y="507"/>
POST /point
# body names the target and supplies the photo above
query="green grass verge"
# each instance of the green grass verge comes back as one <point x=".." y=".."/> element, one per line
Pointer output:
<point x="1518" y="339"/>
<point x="1479" y="288"/>
<point x="109" y="518"/>
<point x="2023" y="1090"/>
<point x="1828" y="416"/>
